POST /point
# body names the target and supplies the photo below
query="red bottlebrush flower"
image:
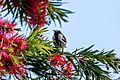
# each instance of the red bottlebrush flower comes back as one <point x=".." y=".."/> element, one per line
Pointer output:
<point x="59" y="63"/>
<point x="17" y="69"/>
<point x="21" y="43"/>
<point x="8" y="26"/>
<point x="2" y="23"/>
<point x="57" y="59"/>
<point x="10" y="44"/>
<point x="37" y="12"/>
<point x="68" y="69"/>
<point x="2" y="68"/>
<point x="4" y="56"/>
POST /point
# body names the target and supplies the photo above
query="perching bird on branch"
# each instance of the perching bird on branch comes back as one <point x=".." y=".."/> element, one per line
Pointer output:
<point x="59" y="40"/>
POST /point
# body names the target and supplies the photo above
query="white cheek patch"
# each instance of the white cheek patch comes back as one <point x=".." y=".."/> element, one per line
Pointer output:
<point x="62" y="39"/>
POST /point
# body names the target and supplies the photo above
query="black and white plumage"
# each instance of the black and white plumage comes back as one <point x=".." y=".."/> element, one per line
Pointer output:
<point x="59" y="39"/>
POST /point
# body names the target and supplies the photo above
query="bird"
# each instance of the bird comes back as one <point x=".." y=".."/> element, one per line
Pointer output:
<point x="59" y="40"/>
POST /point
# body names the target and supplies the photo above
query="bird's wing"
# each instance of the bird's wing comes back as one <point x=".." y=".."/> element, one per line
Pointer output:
<point x="62" y="38"/>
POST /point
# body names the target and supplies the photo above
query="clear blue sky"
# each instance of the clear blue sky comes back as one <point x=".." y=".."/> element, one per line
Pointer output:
<point x="94" y="22"/>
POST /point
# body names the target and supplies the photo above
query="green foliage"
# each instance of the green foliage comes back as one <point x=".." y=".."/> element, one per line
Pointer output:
<point x="17" y="12"/>
<point x="38" y="51"/>
<point x="37" y="42"/>
<point x="57" y="13"/>
<point x="93" y="65"/>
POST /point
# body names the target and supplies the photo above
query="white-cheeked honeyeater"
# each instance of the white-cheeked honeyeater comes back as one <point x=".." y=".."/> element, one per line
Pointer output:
<point x="59" y="40"/>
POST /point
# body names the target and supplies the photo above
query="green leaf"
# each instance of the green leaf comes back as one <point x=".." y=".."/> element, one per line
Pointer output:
<point x="57" y="13"/>
<point x="14" y="58"/>
<point x="10" y="49"/>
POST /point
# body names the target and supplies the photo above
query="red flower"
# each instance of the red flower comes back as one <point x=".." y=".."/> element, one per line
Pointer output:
<point x="37" y="12"/>
<point x="8" y="26"/>
<point x="68" y="69"/>
<point x="2" y="68"/>
<point x="21" y="43"/>
<point x="4" y="56"/>
<point x="10" y="44"/>
<point x="57" y="60"/>
<point x="17" y="69"/>
<point x="59" y="63"/>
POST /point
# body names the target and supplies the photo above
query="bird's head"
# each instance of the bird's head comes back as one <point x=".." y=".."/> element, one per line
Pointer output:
<point x="57" y="31"/>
